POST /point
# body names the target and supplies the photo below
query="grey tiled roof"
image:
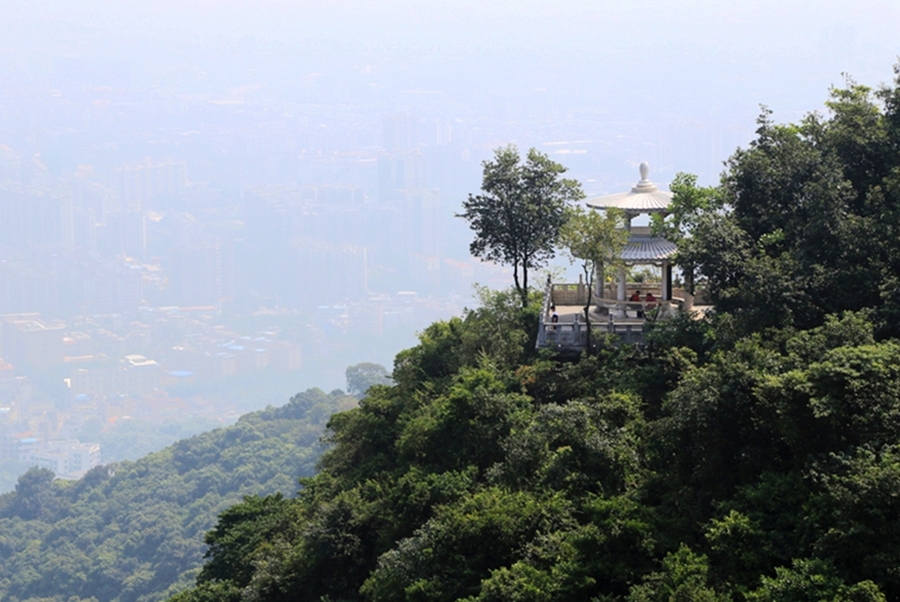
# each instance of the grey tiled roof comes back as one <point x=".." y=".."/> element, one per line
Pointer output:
<point x="647" y="249"/>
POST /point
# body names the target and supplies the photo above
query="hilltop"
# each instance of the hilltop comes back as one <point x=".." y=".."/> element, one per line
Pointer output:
<point x="750" y="454"/>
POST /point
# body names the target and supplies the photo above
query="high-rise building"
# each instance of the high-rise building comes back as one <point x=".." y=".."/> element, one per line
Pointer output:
<point x="201" y="273"/>
<point x="142" y="185"/>
<point x="32" y="218"/>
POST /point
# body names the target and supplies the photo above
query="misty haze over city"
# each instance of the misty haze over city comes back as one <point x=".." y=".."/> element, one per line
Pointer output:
<point x="207" y="206"/>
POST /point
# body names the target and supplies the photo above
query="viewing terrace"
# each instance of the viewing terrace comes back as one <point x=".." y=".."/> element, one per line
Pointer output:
<point x="608" y="315"/>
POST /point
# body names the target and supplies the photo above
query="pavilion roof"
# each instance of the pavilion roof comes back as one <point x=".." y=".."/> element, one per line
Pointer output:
<point x="644" y="197"/>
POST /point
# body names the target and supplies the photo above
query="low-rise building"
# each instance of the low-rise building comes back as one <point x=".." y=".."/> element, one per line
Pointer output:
<point x="68" y="458"/>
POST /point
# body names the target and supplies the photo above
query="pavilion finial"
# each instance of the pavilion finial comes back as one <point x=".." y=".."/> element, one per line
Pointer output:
<point x="644" y="185"/>
<point x="645" y="171"/>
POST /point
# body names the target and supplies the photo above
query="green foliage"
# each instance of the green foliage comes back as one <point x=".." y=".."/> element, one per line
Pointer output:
<point x="517" y="217"/>
<point x="812" y="581"/>
<point x="240" y="532"/>
<point x="853" y="514"/>
<point x="804" y="223"/>
<point x="683" y="578"/>
<point x="690" y="204"/>
<point x="361" y="377"/>
<point x="450" y="555"/>
<point x="10" y="471"/>
<point x="701" y="466"/>
<point x="757" y="529"/>
<point x="133" y="530"/>
<point x="596" y="240"/>
<point x="581" y="447"/>
<point x="499" y="332"/>
<point x="34" y="495"/>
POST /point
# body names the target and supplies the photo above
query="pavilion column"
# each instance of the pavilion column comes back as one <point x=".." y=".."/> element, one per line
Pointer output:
<point x="621" y="292"/>
<point x="666" y="281"/>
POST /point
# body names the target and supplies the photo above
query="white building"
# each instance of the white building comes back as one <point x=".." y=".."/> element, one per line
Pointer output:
<point x="68" y="458"/>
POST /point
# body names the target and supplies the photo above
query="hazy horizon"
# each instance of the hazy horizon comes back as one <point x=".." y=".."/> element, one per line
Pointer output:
<point x="258" y="194"/>
<point x="657" y="73"/>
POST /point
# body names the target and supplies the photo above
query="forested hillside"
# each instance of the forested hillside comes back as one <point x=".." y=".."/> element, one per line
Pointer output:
<point x="752" y="454"/>
<point x="133" y="531"/>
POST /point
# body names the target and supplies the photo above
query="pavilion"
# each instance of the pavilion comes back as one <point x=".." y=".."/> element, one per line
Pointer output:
<point x="642" y="248"/>
<point x="562" y="319"/>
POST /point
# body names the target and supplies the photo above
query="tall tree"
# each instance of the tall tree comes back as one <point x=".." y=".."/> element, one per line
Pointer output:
<point x="595" y="240"/>
<point x="517" y="217"/>
<point x="689" y="205"/>
<point x="361" y="377"/>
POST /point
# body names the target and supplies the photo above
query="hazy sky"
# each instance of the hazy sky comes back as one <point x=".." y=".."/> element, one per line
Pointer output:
<point x="765" y="40"/>
<point x="701" y="66"/>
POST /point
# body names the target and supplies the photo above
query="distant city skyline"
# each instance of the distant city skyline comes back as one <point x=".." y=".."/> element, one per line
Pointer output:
<point x="296" y="167"/>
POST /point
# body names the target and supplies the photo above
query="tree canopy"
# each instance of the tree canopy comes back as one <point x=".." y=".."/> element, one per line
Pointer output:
<point x="805" y="221"/>
<point x="361" y="377"/>
<point x="518" y="215"/>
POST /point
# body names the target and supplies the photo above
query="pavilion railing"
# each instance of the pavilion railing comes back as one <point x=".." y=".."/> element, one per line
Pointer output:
<point x="576" y="293"/>
<point x="568" y="294"/>
<point x="622" y="318"/>
<point x="572" y="335"/>
<point x="564" y="335"/>
<point x="639" y="309"/>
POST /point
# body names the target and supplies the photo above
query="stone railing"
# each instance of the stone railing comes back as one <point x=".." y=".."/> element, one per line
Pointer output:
<point x="625" y="319"/>
<point x="568" y="294"/>
<point x="571" y="336"/>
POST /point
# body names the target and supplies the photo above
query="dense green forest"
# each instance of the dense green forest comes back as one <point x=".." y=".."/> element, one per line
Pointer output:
<point x="133" y="531"/>
<point x="751" y="454"/>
